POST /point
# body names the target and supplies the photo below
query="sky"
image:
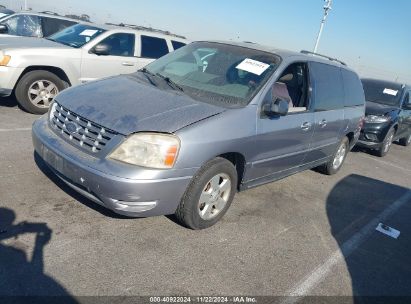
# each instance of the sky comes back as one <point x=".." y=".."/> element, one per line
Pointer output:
<point x="371" y="36"/>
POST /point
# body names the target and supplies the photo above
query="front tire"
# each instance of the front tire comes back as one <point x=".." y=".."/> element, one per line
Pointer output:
<point x="37" y="89"/>
<point x="386" y="145"/>
<point x="336" y="162"/>
<point x="209" y="195"/>
<point x="406" y="141"/>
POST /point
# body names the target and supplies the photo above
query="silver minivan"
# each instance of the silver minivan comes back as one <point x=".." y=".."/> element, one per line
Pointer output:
<point x="187" y="132"/>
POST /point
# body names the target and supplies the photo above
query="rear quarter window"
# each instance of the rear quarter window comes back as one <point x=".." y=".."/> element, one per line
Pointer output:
<point x="328" y="87"/>
<point x="354" y="92"/>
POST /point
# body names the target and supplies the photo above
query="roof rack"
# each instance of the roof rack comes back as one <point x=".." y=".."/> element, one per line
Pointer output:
<point x="324" y="56"/>
<point x="149" y="29"/>
<point x="50" y="13"/>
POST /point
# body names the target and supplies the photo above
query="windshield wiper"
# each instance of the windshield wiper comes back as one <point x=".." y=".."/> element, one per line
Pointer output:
<point x="170" y="82"/>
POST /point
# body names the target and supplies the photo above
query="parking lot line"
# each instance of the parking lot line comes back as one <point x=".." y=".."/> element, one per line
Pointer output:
<point x="386" y="163"/>
<point x="317" y="275"/>
<point x="15" y="129"/>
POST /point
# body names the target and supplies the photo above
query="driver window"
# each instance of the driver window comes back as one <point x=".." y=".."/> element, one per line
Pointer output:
<point x="121" y="44"/>
<point x="24" y="25"/>
<point x="293" y="87"/>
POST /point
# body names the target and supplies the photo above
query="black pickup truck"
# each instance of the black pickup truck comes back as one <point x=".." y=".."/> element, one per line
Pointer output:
<point x="388" y="115"/>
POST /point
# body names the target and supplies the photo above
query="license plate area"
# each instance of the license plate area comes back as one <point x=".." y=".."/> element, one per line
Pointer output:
<point x="55" y="161"/>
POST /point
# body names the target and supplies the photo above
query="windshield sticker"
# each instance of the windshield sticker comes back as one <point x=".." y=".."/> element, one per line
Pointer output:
<point x="88" y="33"/>
<point x="253" y="66"/>
<point x="390" y="92"/>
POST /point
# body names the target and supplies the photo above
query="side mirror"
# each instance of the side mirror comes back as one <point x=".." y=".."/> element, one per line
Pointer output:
<point x="3" y="29"/>
<point x="101" y="49"/>
<point x="278" y="106"/>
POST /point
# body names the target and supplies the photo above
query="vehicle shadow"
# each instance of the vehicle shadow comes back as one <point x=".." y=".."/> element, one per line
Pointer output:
<point x="20" y="275"/>
<point x="63" y="186"/>
<point x="379" y="266"/>
<point x="9" y="102"/>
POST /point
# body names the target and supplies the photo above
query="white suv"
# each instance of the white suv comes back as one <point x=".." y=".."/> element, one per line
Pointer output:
<point x="38" y="69"/>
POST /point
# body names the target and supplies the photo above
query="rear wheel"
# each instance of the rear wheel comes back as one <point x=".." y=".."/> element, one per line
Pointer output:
<point x="406" y="141"/>
<point x="336" y="162"/>
<point x="209" y="195"/>
<point x="37" y="89"/>
<point x="387" y="143"/>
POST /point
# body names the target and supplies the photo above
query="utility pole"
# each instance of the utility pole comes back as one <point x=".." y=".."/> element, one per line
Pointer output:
<point x="25" y="5"/>
<point x="327" y="8"/>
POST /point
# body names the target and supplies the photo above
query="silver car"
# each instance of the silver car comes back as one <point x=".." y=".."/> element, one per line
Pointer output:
<point x="37" y="69"/>
<point x="184" y="134"/>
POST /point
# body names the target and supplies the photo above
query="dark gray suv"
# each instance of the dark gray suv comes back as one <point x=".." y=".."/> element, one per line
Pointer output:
<point x="182" y="135"/>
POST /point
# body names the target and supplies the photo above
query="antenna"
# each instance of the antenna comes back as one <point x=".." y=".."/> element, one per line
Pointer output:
<point x="327" y="8"/>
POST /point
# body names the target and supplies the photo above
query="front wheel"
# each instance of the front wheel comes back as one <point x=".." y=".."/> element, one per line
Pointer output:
<point x="387" y="143"/>
<point x="406" y="141"/>
<point x="209" y="195"/>
<point x="37" y="89"/>
<point x="336" y="162"/>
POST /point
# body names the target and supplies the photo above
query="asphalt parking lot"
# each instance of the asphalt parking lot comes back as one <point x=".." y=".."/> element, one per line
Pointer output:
<point x="308" y="234"/>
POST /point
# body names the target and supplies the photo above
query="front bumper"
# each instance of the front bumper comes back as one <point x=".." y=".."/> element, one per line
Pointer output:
<point x="373" y="134"/>
<point x="150" y="196"/>
<point x="8" y="79"/>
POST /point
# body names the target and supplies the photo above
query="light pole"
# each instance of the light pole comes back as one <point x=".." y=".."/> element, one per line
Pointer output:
<point x="25" y="5"/>
<point x="327" y="8"/>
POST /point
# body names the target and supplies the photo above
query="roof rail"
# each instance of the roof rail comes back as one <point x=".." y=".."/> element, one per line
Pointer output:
<point x="49" y="13"/>
<point x="148" y="29"/>
<point x="324" y="56"/>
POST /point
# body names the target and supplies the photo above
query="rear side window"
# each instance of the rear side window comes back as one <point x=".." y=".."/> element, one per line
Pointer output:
<point x="24" y="25"/>
<point x="328" y="87"/>
<point x="53" y="25"/>
<point x="354" y="92"/>
<point x="153" y="47"/>
<point x="177" y="44"/>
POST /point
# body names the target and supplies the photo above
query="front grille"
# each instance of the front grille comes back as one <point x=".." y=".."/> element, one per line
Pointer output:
<point x="78" y="130"/>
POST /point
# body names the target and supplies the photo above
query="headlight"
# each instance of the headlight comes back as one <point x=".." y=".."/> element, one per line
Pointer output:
<point x="377" y="119"/>
<point x="151" y="150"/>
<point x="4" y="60"/>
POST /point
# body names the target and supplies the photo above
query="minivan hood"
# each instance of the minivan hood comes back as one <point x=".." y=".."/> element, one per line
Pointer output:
<point x="126" y="104"/>
<point x="17" y="42"/>
<point x="373" y="108"/>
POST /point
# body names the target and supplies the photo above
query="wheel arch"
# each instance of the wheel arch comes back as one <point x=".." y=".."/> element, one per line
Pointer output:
<point x="238" y="160"/>
<point x="55" y="70"/>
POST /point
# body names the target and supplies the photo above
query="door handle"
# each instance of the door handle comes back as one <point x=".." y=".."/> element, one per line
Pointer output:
<point x="128" y="63"/>
<point x="306" y="126"/>
<point x="323" y="123"/>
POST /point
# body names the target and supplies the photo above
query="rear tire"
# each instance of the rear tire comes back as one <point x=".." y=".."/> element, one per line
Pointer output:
<point x="406" y="141"/>
<point x="209" y="195"/>
<point x="386" y="144"/>
<point x="37" y="89"/>
<point x="337" y="161"/>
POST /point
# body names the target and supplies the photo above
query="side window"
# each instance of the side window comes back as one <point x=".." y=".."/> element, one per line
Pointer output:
<point x="153" y="47"/>
<point x="406" y="99"/>
<point x="120" y="44"/>
<point x="177" y="44"/>
<point x="293" y="87"/>
<point x="354" y="92"/>
<point x="54" y="25"/>
<point x="328" y="87"/>
<point x="24" y="25"/>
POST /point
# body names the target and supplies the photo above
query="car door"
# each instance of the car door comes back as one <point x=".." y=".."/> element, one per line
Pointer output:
<point x="120" y="59"/>
<point x="404" y="119"/>
<point x="51" y="25"/>
<point x="283" y="141"/>
<point x="328" y="102"/>
<point x="151" y="48"/>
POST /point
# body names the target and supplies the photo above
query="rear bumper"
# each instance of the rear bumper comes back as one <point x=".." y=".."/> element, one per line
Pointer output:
<point x="125" y="196"/>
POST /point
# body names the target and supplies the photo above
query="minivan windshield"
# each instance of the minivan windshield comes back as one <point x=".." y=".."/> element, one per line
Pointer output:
<point x="77" y="35"/>
<point x="217" y="73"/>
<point x="382" y="92"/>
